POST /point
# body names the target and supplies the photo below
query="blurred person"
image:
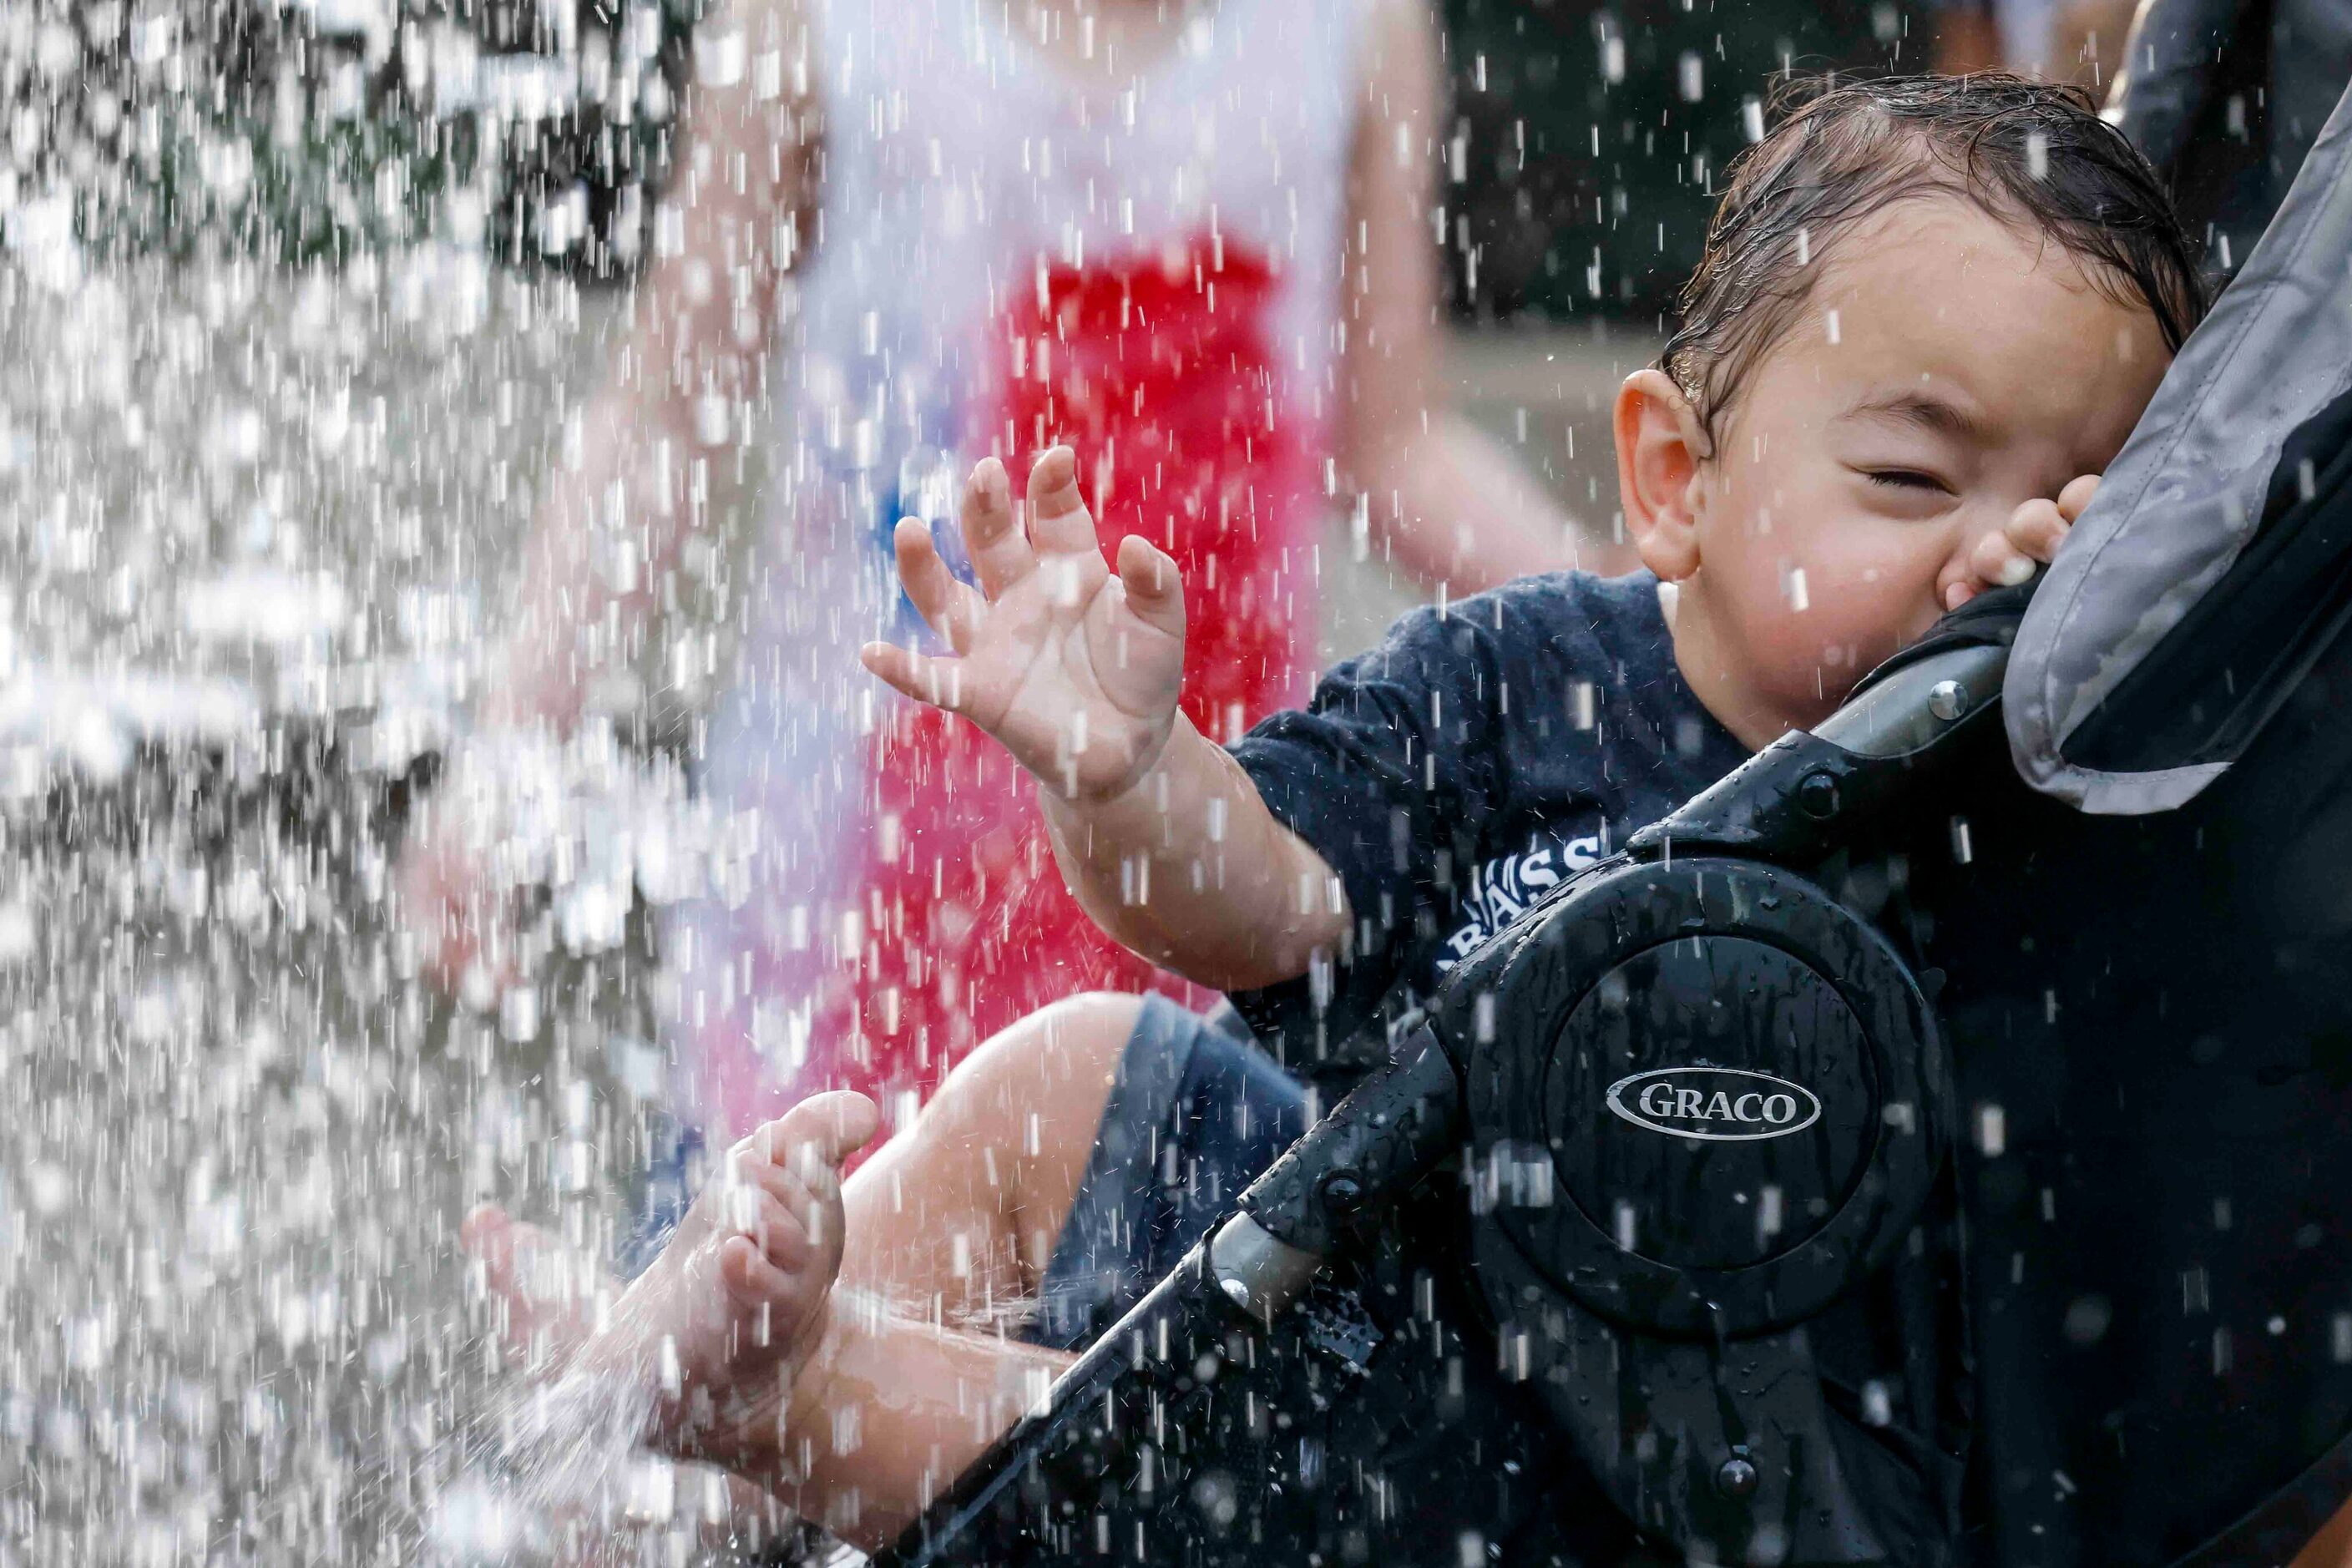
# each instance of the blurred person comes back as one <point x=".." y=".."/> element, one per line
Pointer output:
<point x="2078" y="41"/>
<point x="2226" y="98"/>
<point x="1194" y="238"/>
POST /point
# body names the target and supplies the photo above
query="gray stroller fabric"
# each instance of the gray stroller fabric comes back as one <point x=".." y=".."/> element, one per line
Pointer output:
<point x="2182" y="499"/>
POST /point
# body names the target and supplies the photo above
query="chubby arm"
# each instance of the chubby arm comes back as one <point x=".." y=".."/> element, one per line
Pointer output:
<point x="1188" y="868"/>
<point x="619" y="511"/>
<point x="1076" y="669"/>
<point x="1452" y="505"/>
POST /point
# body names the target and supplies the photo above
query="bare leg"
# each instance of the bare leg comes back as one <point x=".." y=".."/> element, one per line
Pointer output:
<point x="2332" y="1547"/>
<point x="952" y="1223"/>
<point x="880" y="1393"/>
<point x="966" y="1207"/>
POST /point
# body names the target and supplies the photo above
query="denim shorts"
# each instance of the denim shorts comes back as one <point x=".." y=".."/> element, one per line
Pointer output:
<point x="1195" y="1113"/>
<point x="675" y="1167"/>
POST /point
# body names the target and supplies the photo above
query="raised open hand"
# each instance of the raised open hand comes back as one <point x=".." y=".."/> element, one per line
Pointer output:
<point x="1075" y="669"/>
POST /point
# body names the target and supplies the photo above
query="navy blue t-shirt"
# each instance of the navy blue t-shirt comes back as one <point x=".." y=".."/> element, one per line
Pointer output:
<point x="1470" y="762"/>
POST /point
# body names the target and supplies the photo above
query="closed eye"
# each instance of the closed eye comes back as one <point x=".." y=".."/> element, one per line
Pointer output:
<point x="1907" y="479"/>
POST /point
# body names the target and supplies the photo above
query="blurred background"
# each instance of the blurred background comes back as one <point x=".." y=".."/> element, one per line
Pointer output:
<point x="299" y="302"/>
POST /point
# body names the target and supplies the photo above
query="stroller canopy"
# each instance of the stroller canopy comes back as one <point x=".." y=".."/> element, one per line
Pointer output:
<point x="2212" y="568"/>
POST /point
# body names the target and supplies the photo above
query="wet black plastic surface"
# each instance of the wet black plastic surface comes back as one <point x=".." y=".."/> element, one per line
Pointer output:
<point x="1709" y="1103"/>
<point x="1370" y="1424"/>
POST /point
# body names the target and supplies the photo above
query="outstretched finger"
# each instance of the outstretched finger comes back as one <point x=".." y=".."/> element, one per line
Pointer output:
<point x="1059" y="519"/>
<point x="1154" y="590"/>
<point x="992" y="531"/>
<point x="938" y="682"/>
<point x="953" y="609"/>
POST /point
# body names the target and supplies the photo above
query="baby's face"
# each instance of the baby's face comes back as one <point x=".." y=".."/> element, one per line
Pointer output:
<point x="1945" y="369"/>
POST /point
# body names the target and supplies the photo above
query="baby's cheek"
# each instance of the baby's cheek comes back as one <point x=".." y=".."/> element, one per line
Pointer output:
<point x="1866" y="618"/>
<point x="1799" y="655"/>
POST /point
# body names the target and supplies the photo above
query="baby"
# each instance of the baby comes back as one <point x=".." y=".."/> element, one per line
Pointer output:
<point x="1930" y="313"/>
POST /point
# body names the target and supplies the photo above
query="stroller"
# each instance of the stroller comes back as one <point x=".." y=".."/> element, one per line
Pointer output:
<point x="1931" y="1145"/>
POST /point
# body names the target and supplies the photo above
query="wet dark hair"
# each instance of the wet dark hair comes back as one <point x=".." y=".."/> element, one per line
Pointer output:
<point x="2032" y="154"/>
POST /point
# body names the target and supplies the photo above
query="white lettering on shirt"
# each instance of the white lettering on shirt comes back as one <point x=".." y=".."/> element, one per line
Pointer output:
<point x="1504" y="889"/>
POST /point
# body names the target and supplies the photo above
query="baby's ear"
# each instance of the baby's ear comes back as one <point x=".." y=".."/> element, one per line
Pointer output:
<point x="1660" y="445"/>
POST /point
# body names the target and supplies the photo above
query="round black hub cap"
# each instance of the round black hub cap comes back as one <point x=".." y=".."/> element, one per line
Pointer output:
<point x="1704" y="1097"/>
<point x="1709" y="1103"/>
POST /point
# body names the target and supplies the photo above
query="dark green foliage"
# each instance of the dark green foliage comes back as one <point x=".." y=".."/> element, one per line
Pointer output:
<point x="305" y="133"/>
<point x="304" y="130"/>
<point x="1587" y="169"/>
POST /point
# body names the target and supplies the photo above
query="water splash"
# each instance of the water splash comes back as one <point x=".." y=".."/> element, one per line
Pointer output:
<point x="552" y="1469"/>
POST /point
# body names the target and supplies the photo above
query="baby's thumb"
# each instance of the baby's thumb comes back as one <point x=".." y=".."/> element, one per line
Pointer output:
<point x="1155" y="588"/>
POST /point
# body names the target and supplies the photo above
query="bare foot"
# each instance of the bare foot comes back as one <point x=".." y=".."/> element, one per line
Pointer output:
<point x="697" y="1357"/>
<point x="536" y="1322"/>
<point x="735" y="1300"/>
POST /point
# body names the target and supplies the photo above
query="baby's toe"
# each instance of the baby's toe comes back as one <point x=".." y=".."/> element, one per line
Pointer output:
<point x="782" y="1232"/>
<point x="816" y="1135"/>
<point x="750" y="1277"/>
<point x="796" y="1159"/>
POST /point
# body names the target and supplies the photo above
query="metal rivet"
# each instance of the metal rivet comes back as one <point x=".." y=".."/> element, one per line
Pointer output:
<point x="1817" y="796"/>
<point x="1343" y="1192"/>
<point x="1948" y="699"/>
<point x="1737" y="1478"/>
